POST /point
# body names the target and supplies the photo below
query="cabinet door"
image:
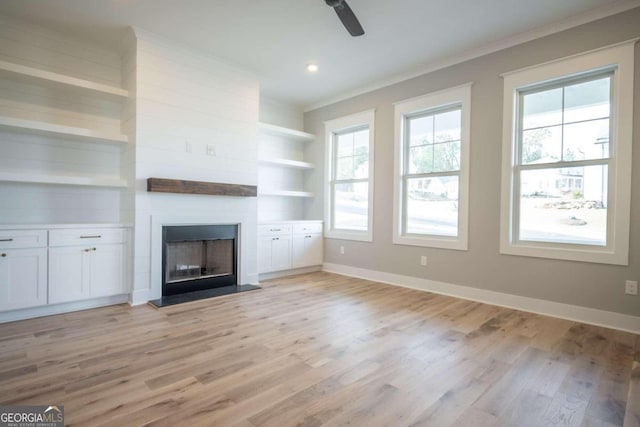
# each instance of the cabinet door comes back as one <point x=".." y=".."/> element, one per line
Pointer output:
<point x="106" y="270"/>
<point x="23" y="278"/>
<point x="307" y="250"/>
<point x="264" y="255"/>
<point x="280" y="253"/>
<point x="314" y="249"/>
<point x="69" y="274"/>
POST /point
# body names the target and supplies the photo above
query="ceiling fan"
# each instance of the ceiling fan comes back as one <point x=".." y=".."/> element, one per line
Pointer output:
<point x="347" y="17"/>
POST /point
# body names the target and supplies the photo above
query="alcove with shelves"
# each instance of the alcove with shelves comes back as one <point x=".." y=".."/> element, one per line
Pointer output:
<point x="61" y="108"/>
<point x="283" y="172"/>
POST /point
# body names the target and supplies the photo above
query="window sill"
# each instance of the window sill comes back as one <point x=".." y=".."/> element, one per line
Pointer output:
<point x="569" y="254"/>
<point x="431" y="242"/>
<point x="361" y="236"/>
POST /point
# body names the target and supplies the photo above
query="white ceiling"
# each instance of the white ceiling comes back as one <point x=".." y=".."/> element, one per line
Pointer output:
<point x="275" y="39"/>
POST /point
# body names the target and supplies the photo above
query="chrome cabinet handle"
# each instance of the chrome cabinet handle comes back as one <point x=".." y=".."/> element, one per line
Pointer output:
<point x="6" y="240"/>
<point x="274" y="229"/>
<point x="91" y="237"/>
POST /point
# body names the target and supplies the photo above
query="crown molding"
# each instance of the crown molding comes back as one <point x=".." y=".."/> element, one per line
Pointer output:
<point x="555" y="27"/>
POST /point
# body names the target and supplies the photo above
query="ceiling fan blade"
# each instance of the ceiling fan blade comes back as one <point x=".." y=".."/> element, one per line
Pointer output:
<point x="348" y="18"/>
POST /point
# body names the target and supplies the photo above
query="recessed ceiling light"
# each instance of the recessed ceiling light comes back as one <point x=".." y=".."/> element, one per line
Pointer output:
<point x="312" y="68"/>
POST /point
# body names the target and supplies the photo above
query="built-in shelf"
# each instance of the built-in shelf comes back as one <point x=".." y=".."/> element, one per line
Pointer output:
<point x="47" y="78"/>
<point x="80" y="180"/>
<point x="286" y="163"/>
<point x="285" y="193"/>
<point x="43" y="128"/>
<point x="290" y="134"/>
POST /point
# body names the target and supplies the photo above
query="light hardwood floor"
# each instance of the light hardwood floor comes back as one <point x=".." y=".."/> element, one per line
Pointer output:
<point x="322" y="349"/>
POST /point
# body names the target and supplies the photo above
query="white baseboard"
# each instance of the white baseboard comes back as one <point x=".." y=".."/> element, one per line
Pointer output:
<point x="140" y="297"/>
<point x="285" y="273"/>
<point x="608" y="319"/>
<point x="48" y="310"/>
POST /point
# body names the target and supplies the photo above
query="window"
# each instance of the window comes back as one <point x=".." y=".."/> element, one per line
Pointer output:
<point x="567" y="158"/>
<point x="432" y="169"/>
<point x="349" y="190"/>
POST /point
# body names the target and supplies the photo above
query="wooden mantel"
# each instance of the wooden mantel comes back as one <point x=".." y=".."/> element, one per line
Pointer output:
<point x="164" y="185"/>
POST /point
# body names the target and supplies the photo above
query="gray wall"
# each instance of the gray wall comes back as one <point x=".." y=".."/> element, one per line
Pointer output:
<point x="591" y="285"/>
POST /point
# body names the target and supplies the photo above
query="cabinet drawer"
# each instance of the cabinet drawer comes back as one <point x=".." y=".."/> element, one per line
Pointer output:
<point x="16" y="239"/>
<point x="274" y="229"/>
<point x="312" y="227"/>
<point x="82" y="236"/>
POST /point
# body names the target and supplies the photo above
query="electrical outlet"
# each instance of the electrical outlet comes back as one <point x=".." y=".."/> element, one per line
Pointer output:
<point x="342" y="250"/>
<point x="187" y="147"/>
<point x="631" y="287"/>
<point x="211" y="150"/>
<point x="423" y="260"/>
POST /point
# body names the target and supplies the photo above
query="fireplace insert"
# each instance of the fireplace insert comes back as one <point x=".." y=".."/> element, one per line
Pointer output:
<point x="198" y="257"/>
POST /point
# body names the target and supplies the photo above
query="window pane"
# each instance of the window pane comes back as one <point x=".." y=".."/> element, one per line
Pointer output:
<point x="587" y="101"/>
<point x="420" y="130"/>
<point x="541" y="145"/>
<point x="432" y="206"/>
<point x="447" y="126"/>
<point x="421" y="159"/>
<point x="345" y="168"/>
<point x="446" y="156"/>
<point x="542" y="109"/>
<point x="564" y="205"/>
<point x="351" y="206"/>
<point x="344" y="144"/>
<point x="361" y="142"/>
<point x="586" y="140"/>
<point x="361" y="166"/>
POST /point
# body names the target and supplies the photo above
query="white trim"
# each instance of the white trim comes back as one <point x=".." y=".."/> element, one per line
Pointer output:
<point x="621" y="58"/>
<point x="49" y="310"/>
<point x="554" y="61"/>
<point x="287" y="273"/>
<point x="139" y="297"/>
<point x="546" y="30"/>
<point x="364" y="118"/>
<point x="457" y="95"/>
<point x="592" y="316"/>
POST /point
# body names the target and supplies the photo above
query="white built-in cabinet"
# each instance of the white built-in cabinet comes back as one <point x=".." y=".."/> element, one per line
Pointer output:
<point x="289" y="245"/>
<point x="61" y="265"/>
<point x="23" y="269"/>
<point x="307" y="245"/>
<point x="286" y="241"/>
<point x="85" y="263"/>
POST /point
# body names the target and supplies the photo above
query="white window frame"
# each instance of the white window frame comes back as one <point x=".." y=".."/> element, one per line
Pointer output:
<point x="618" y="58"/>
<point x="457" y="96"/>
<point x="333" y="127"/>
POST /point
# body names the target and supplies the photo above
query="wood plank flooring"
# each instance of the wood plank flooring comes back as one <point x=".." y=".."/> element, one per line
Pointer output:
<point x="322" y="349"/>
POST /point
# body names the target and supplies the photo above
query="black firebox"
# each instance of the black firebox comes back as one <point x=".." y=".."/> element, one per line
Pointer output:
<point x="198" y="257"/>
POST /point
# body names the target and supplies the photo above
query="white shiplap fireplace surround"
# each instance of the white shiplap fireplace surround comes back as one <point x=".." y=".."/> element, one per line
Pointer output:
<point x="196" y="119"/>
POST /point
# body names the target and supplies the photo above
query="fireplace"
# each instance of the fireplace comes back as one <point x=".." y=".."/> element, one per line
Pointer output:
<point x="198" y="257"/>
